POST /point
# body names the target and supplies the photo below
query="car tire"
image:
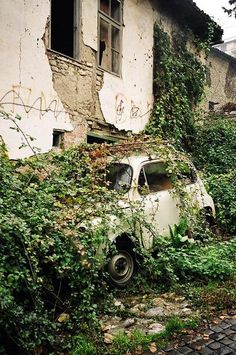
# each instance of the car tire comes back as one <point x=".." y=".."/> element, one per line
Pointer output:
<point x="210" y="220"/>
<point x="121" y="268"/>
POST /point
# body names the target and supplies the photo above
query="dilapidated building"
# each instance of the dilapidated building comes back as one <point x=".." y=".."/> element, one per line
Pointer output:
<point x="82" y="70"/>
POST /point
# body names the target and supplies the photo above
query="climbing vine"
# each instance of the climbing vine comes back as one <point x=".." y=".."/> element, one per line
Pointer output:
<point x="179" y="77"/>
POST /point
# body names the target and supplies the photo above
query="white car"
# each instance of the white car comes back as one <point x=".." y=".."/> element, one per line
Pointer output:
<point x="147" y="184"/>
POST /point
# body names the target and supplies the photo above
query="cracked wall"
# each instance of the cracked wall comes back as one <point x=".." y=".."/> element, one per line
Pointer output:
<point x="53" y="91"/>
<point x="26" y="86"/>
<point x="102" y="101"/>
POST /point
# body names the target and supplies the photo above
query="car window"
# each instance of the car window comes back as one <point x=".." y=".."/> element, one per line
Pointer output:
<point x="119" y="177"/>
<point x="154" y="177"/>
<point x="186" y="173"/>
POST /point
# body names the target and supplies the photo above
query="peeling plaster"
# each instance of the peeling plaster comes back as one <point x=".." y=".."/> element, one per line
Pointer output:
<point x="26" y="86"/>
<point x="90" y="23"/>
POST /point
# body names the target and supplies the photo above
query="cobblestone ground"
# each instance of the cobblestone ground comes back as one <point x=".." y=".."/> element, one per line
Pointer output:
<point x="219" y="338"/>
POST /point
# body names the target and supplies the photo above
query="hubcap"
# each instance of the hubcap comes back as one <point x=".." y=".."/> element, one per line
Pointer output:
<point x="121" y="267"/>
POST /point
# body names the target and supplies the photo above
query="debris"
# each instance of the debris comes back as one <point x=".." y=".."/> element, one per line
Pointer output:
<point x="108" y="338"/>
<point x="152" y="347"/>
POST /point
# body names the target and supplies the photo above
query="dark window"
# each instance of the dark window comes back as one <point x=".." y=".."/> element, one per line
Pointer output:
<point x="119" y="177"/>
<point x="63" y="26"/>
<point x="57" y="139"/>
<point x="96" y="139"/>
<point x="211" y="105"/>
<point x="109" y="54"/>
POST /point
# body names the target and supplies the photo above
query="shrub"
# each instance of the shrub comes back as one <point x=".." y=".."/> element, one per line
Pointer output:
<point x="214" y="152"/>
<point x="214" y="147"/>
<point x="49" y="284"/>
<point x="223" y="190"/>
<point x="202" y="262"/>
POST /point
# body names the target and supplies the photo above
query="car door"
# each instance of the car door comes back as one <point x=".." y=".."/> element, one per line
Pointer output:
<point x="157" y="203"/>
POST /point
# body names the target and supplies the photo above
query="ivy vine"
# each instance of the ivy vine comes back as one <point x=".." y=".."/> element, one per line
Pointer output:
<point x="179" y="78"/>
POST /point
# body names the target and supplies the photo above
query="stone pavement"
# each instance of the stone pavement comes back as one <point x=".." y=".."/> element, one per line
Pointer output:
<point x="219" y="338"/>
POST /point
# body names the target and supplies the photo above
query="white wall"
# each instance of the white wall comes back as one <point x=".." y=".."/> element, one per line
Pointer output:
<point x="89" y="11"/>
<point x="126" y="102"/>
<point x="26" y="86"/>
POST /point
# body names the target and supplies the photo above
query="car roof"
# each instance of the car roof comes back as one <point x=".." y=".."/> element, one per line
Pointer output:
<point x="138" y="159"/>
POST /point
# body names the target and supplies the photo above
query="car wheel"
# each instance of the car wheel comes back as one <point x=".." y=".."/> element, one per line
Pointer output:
<point x="210" y="220"/>
<point x="121" y="268"/>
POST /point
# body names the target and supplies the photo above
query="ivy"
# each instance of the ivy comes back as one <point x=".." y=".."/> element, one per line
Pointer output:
<point x="179" y="78"/>
<point x="214" y="151"/>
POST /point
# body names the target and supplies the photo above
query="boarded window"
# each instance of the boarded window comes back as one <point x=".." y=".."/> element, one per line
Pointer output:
<point x="109" y="56"/>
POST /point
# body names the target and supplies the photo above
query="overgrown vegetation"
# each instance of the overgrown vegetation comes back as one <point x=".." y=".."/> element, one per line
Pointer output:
<point x="51" y="281"/>
<point x="214" y="153"/>
<point x="179" y="78"/>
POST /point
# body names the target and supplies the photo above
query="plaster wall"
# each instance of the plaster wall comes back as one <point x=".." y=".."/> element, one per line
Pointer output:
<point x="90" y="23"/>
<point x="221" y="86"/>
<point x="26" y="86"/>
<point x="127" y="101"/>
<point x="52" y="91"/>
<point x="130" y="96"/>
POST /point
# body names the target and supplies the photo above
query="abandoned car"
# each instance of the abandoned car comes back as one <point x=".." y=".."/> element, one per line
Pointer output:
<point x="147" y="185"/>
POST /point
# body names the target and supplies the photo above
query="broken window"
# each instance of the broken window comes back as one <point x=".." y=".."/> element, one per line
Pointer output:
<point x="153" y="178"/>
<point x="109" y="52"/>
<point x="64" y="26"/>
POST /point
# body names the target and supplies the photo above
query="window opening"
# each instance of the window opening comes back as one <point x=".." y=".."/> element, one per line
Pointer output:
<point x="211" y="105"/>
<point x="110" y="35"/>
<point x="186" y="173"/>
<point x="119" y="177"/>
<point x="96" y="139"/>
<point x="153" y="178"/>
<point x="57" y="138"/>
<point x="64" y="26"/>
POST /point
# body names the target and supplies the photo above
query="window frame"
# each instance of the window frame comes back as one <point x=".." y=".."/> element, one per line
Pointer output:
<point x="147" y="186"/>
<point x="112" y="23"/>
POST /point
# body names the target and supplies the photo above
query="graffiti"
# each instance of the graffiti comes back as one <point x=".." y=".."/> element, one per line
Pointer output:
<point x="125" y="109"/>
<point x="22" y="97"/>
<point x="120" y="108"/>
<point x="135" y="111"/>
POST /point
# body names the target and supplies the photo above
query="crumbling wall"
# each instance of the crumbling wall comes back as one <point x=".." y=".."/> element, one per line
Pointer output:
<point x="53" y="91"/>
<point x="26" y="85"/>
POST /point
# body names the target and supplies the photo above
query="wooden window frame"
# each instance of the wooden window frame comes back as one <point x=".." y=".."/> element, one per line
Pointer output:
<point x="112" y="24"/>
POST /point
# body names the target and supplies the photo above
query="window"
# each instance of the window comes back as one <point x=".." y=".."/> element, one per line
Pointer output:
<point x="153" y="178"/>
<point x="64" y="27"/>
<point x="95" y="138"/>
<point x="109" y="51"/>
<point x="186" y="173"/>
<point x="119" y="177"/>
<point x="57" y="138"/>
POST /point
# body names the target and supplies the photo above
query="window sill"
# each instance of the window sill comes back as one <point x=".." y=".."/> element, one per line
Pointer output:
<point x="109" y="72"/>
<point x="70" y="60"/>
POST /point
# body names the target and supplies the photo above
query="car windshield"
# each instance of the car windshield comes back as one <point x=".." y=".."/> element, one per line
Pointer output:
<point x="119" y="177"/>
